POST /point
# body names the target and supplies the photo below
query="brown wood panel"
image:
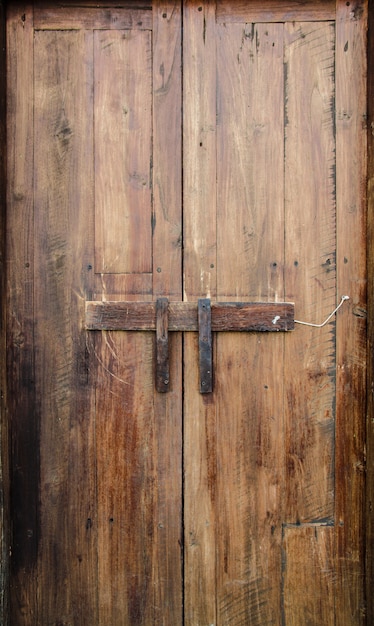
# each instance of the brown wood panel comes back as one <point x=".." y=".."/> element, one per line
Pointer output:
<point x="275" y="11"/>
<point x="199" y="239"/>
<point x="309" y="576"/>
<point x="199" y="151"/>
<point x="4" y="424"/>
<point x="139" y="482"/>
<point x="351" y="324"/>
<point x="167" y="150"/>
<point x="123" y="151"/>
<point x="249" y="371"/>
<point x="63" y="181"/>
<point x="311" y="268"/>
<point x="21" y="400"/>
<point x="369" y="508"/>
<point x="112" y="287"/>
<point x="250" y="142"/>
<point x="49" y="17"/>
<point x="250" y="472"/>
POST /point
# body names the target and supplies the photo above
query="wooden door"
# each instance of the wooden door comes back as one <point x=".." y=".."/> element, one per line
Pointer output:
<point x="196" y="150"/>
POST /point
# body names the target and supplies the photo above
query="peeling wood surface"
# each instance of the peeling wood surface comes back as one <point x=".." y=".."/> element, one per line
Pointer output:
<point x="243" y="506"/>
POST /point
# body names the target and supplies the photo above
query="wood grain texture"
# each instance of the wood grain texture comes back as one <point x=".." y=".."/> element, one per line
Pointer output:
<point x="369" y="509"/>
<point x="275" y="11"/>
<point x="309" y="575"/>
<point x="183" y="316"/>
<point x="63" y="196"/>
<point x="167" y="150"/>
<point x="249" y="369"/>
<point x="96" y="17"/>
<point x="250" y="142"/>
<point x="199" y="151"/>
<point x="4" y="423"/>
<point x="21" y="398"/>
<point x="123" y="151"/>
<point x="351" y="323"/>
<point x="311" y="268"/>
<point x="200" y="244"/>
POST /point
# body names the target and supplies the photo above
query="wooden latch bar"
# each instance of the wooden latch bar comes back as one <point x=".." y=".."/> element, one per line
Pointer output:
<point x="204" y="317"/>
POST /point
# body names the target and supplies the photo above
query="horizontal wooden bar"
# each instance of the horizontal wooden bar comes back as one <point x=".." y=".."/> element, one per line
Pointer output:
<point x="275" y="11"/>
<point x="88" y="18"/>
<point x="226" y="316"/>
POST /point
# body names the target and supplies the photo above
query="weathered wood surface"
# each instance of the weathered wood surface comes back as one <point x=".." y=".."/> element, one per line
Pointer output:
<point x="309" y="575"/>
<point x="200" y="280"/>
<point x="98" y="17"/>
<point x="162" y="346"/>
<point x="62" y="181"/>
<point x="183" y="316"/>
<point x="249" y="369"/>
<point x="351" y="164"/>
<point x="311" y="269"/>
<point x="123" y="151"/>
<point x="268" y="11"/>
<point x="369" y="508"/>
<point x="271" y="476"/>
<point x="24" y="419"/>
<point x="4" y="422"/>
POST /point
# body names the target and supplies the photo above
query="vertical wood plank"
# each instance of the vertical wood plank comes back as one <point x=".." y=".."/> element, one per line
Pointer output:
<point x="123" y="134"/>
<point x="167" y="281"/>
<point x="199" y="184"/>
<point x="250" y="208"/>
<point x="126" y="476"/>
<point x="199" y="149"/>
<point x="63" y="193"/>
<point x="249" y="370"/>
<point x="4" y="421"/>
<point x="22" y="407"/>
<point x="311" y="274"/>
<point x="369" y="509"/>
<point x="167" y="150"/>
<point x="309" y="576"/>
<point x="351" y="324"/>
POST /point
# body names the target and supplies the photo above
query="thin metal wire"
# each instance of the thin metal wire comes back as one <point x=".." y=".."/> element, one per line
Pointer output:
<point x="327" y="319"/>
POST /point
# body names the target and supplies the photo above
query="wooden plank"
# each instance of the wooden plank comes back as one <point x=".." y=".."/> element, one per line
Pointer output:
<point x="369" y="516"/>
<point x="123" y="151"/>
<point x="311" y="268"/>
<point x="249" y="369"/>
<point x="226" y="316"/>
<point x="95" y="17"/>
<point x="199" y="275"/>
<point x="63" y="181"/>
<point x="351" y="46"/>
<point x="255" y="128"/>
<point x="267" y="11"/>
<point x="199" y="148"/>
<point x="167" y="281"/>
<point x="21" y="398"/>
<point x="126" y="475"/>
<point x="4" y="425"/>
<point x="115" y="286"/>
<point x="162" y="346"/>
<point x="309" y="575"/>
<point x="167" y="150"/>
